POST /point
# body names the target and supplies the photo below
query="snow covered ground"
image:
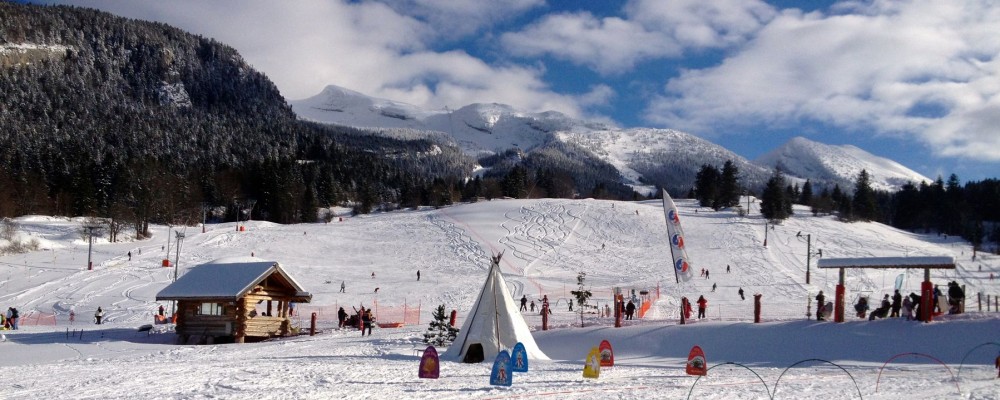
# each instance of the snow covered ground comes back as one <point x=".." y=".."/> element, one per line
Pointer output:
<point x="546" y="243"/>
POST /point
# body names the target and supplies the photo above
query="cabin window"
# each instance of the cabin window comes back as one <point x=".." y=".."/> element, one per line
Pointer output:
<point x="210" y="309"/>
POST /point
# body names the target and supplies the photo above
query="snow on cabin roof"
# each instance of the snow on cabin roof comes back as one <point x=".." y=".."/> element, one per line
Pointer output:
<point x="228" y="278"/>
<point x="943" y="262"/>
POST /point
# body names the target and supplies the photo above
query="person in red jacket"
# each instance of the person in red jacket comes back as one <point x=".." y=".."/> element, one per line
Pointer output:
<point x="702" y="305"/>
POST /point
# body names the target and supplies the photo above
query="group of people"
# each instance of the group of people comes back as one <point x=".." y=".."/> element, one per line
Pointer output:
<point x="363" y="319"/>
<point x="545" y="304"/>
<point x="9" y="321"/>
<point x="899" y="306"/>
<point x="702" y="307"/>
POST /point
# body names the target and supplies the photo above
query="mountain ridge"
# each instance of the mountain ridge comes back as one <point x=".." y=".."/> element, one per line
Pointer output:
<point x="646" y="158"/>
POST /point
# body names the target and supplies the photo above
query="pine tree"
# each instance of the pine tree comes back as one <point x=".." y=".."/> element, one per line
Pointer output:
<point x="440" y="332"/>
<point x="729" y="192"/>
<point x="773" y="202"/>
<point x="582" y="295"/>
<point x="805" y="197"/>
<point x="707" y="185"/>
<point x="863" y="204"/>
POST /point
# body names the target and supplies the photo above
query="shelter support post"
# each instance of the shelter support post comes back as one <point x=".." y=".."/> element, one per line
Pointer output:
<point x="838" y="306"/>
<point x="926" y="297"/>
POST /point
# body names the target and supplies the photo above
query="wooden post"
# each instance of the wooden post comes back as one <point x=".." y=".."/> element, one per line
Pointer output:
<point x="545" y="317"/>
<point x="683" y="304"/>
<point x="756" y="308"/>
<point x="312" y="325"/>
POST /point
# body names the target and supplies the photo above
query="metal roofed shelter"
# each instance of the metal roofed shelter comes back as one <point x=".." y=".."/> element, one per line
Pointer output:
<point x="218" y="300"/>
<point x="926" y="288"/>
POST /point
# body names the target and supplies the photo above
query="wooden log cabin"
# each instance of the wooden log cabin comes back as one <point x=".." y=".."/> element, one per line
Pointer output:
<point x="234" y="300"/>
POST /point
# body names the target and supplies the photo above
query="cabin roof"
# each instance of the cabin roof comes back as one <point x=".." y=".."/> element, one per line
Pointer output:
<point x="227" y="279"/>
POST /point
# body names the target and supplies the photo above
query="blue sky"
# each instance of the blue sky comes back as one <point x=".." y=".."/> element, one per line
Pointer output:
<point x="915" y="81"/>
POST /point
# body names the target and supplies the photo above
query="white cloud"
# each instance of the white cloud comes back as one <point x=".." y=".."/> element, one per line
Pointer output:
<point x="930" y="71"/>
<point x="459" y="18"/>
<point x="699" y="23"/>
<point x="370" y="47"/>
<point x="651" y="29"/>
<point x="608" y="45"/>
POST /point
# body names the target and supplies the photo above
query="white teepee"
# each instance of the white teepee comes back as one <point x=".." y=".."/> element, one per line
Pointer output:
<point x="493" y="324"/>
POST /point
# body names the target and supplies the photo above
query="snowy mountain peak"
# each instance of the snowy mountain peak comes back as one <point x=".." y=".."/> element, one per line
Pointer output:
<point x="838" y="164"/>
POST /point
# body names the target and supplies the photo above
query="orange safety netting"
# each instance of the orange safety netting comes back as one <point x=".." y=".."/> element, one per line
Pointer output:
<point x="37" y="318"/>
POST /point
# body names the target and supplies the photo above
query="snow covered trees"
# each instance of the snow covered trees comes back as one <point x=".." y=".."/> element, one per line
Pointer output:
<point x="440" y="332"/>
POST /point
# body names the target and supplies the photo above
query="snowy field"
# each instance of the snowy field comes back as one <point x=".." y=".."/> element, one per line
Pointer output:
<point x="546" y="243"/>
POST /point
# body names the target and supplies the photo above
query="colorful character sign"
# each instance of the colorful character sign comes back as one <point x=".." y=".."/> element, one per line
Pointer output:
<point x="502" y="374"/>
<point x="592" y="368"/>
<point x="607" y="354"/>
<point x="696" y="364"/>
<point x="519" y="358"/>
<point x="430" y="364"/>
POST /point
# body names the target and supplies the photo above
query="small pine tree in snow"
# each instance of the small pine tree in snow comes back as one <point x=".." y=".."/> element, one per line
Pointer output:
<point x="440" y="332"/>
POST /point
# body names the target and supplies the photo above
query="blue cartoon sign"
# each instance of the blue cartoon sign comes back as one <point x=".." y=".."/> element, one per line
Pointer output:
<point x="519" y="358"/>
<point x="502" y="374"/>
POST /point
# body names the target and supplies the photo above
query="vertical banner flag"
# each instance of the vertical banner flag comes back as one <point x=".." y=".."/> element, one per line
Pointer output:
<point x="696" y="364"/>
<point x="430" y="364"/>
<point x="519" y="358"/>
<point x="592" y="368"/>
<point x="607" y="355"/>
<point x="681" y="263"/>
<point x="502" y="375"/>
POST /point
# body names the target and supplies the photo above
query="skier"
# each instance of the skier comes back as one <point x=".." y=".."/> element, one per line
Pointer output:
<point x="820" y="304"/>
<point x="532" y="306"/>
<point x="997" y="364"/>
<point x="727" y="268"/>
<point x="741" y="294"/>
<point x="702" y="305"/>
<point x="524" y="303"/>
<point x="98" y="315"/>
<point x="706" y="274"/>
<point x="713" y="287"/>
<point x="342" y="287"/>
<point x="161" y="310"/>
<point x="629" y="309"/>
<point x="418" y="275"/>
<point x="130" y="256"/>
<point x="907" y="308"/>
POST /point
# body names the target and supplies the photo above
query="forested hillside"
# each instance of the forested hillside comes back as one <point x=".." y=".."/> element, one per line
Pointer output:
<point x="140" y="121"/>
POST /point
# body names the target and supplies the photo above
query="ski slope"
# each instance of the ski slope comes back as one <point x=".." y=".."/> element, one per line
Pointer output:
<point x="546" y="243"/>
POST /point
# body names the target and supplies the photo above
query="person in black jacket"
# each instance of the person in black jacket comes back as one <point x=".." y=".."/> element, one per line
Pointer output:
<point x="897" y="303"/>
<point x="341" y="317"/>
<point x="820" y="304"/>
